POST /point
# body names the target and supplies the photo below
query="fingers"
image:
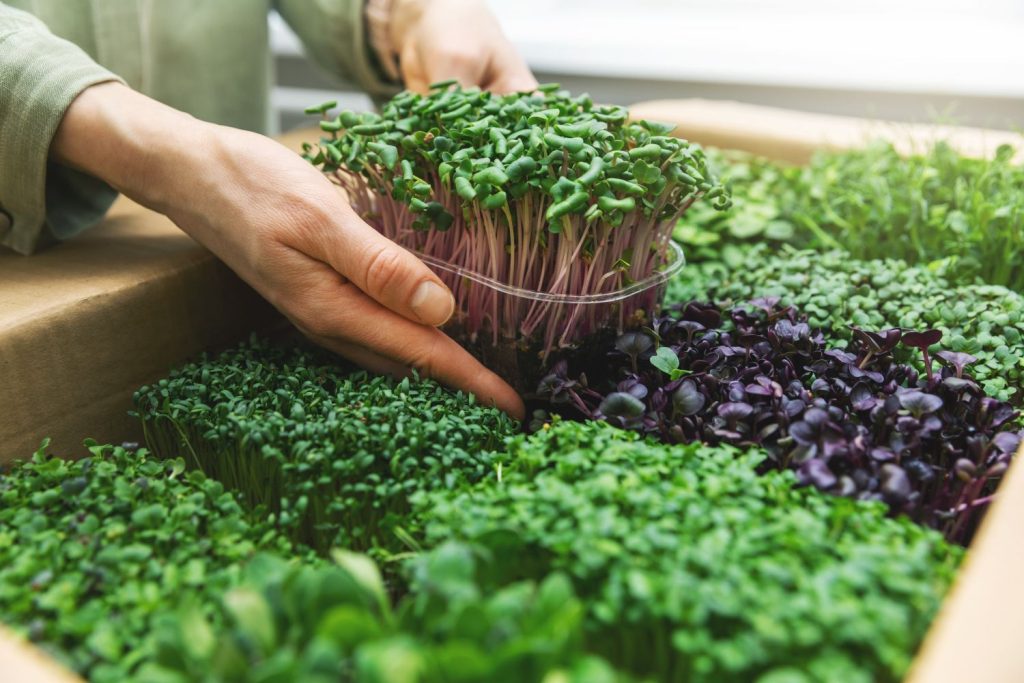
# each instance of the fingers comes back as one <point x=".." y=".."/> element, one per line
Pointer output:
<point x="461" y="62"/>
<point x="345" y="320"/>
<point x="413" y="75"/>
<point x="383" y="270"/>
<point x="489" y="388"/>
<point x="509" y="73"/>
<point x="456" y="40"/>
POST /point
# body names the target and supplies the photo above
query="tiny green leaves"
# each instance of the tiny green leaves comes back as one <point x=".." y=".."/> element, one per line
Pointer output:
<point x="322" y="108"/>
<point x="453" y="626"/>
<point x="656" y="539"/>
<point x="667" y="361"/>
<point x="535" y="190"/>
<point x="935" y="208"/>
<point x="512" y="138"/>
<point x="92" y="551"/>
<point x="365" y="573"/>
<point x="332" y="453"/>
<point x="490" y="176"/>
<point x="251" y="614"/>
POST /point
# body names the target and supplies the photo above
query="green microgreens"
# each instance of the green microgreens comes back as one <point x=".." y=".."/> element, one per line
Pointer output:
<point x="666" y="360"/>
<point x="91" y="551"/>
<point x="929" y="208"/>
<point x="288" y="622"/>
<point x="539" y="191"/>
<point x="836" y="290"/>
<point x="331" y="452"/>
<point x="695" y="568"/>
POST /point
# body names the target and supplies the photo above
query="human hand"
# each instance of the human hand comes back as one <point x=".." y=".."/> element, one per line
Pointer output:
<point x="283" y="228"/>
<point x="438" y="40"/>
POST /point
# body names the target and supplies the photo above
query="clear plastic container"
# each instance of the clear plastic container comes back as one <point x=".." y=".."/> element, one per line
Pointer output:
<point x="517" y="285"/>
<point x="514" y="330"/>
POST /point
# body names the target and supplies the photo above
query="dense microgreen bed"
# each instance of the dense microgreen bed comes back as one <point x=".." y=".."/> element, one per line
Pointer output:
<point x="288" y="622"/>
<point x="91" y="551"/>
<point x="539" y="191"/>
<point x="836" y="291"/>
<point x="936" y="206"/>
<point x="748" y="493"/>
<point x="853" y="422"/>
<point x="332" y="453"/>
<point x="693" y="568"/>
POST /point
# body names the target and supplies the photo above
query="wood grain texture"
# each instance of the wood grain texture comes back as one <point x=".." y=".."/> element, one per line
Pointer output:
<point x="20" y="662"/>
<point x="793" y="137"/>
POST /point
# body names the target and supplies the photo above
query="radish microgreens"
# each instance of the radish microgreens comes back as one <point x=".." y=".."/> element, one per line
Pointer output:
<point x="540" y="191"/>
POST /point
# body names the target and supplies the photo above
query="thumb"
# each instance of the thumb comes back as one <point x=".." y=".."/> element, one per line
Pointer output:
<point x="509" y="74"/>
<point x="384" y="271"/>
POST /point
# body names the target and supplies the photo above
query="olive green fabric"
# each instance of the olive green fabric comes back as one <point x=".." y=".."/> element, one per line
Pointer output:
<point x="210" y="58"/>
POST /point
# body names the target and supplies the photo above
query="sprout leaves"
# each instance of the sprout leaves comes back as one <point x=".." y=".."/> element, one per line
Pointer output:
<point x="836" y="416"/>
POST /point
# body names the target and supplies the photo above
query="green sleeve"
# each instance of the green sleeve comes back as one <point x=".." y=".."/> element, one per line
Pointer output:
<point x="334" y="33"/>
<point x="40" y="74"/>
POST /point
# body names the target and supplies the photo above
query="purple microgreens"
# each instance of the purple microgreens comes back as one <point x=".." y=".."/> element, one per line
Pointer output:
<point x="732" y="422"/>
<point x="1007" y="442"/>
<point x="764" y="386"/>
<point x="621" y="407"/>
<point x="923" y="340"/>
<point x="956" y="360"/>
<point x="875" y="343"/>
<point x="707" y="315"/>
<point x="634" y="345"/>
<point x="919" y="403"/>
<point x="691" y="327"/>
<point x="862" y="398"/>
<point x="855" y="421"/>
<point x="687" y="399"/>
<point x="765" y="303"/>
<point x="633" y="387"/>
<point x="816" y="472"/>
<point x="895" y="485"/>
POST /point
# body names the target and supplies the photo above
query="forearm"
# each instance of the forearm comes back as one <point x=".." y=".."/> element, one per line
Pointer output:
<point x="281" y="226"/>
<point x="142" y="148"/>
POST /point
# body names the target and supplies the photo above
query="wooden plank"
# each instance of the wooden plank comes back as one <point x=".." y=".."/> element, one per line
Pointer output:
<point x="793" y="136"/>
<point x="21" y="662"/>
<point x="979" y="633"/>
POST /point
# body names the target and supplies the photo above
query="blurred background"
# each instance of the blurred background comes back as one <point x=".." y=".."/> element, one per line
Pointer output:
<point x="950" y="61"/>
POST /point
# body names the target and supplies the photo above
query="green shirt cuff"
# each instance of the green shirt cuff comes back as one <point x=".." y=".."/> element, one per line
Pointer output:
<point x="40" y="75"/>
<point x="334" y="34"/>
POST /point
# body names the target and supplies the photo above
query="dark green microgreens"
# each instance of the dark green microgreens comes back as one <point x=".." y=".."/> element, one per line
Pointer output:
<point x="695" y="568"/>
<point x="836" y="290"/>
<point x="288" y="622"/>
<point x="332" y="453"/>
<point x="92" y="550"/>
<point x="929" y="208"/>
<point x="540" y="191"/>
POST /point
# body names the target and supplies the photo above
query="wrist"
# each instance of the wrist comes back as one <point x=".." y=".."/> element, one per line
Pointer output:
<point x="140" y="147"/>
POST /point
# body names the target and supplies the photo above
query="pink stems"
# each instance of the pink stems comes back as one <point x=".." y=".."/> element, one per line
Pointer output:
<point x="584" y="258"/>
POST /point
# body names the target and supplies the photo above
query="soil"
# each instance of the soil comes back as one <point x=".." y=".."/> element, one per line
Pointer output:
<point x="520" y="363"/>
<point x="515" y="361"/>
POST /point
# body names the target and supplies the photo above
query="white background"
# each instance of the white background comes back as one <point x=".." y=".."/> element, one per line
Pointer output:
<point x="901" y="59"/>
